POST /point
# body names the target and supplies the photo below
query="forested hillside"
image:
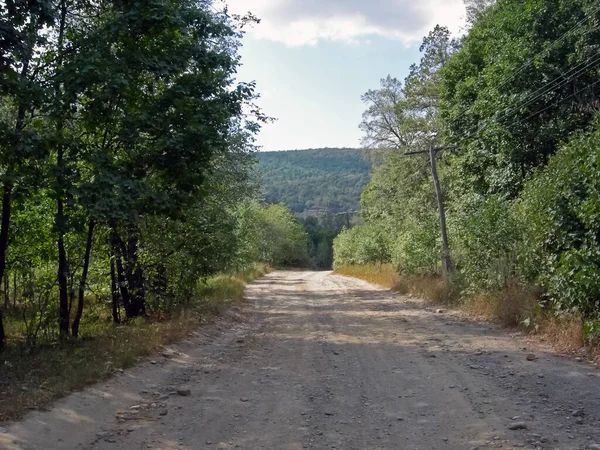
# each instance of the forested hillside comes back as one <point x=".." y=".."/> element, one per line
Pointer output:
<point x="315" y="182"/>
<point x="492" y="175"/>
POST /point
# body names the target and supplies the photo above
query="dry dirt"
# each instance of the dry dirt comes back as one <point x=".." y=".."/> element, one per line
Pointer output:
<point x="319" y="361"/>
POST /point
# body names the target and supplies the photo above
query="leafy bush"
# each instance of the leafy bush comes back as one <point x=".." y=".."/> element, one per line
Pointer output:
<point x="418" y="248"/>
<point x="485" y="236"/>
<point x="561" y="207"/>
<point x="367" y="243"/>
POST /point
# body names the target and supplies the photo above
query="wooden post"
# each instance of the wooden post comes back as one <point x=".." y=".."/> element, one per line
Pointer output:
<point x="446" y="261"/>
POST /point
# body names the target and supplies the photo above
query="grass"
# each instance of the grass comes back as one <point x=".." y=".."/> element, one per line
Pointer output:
<point x="380" y="274"/>
<point x="515" y="306"/>
<point x="510" y="306"/>
<point x="430" y="288"/>
<point x="32" y="378"/>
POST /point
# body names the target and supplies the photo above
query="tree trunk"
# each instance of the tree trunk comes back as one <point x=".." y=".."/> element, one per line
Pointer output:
<point x="6" y="291"/>
<point x="115" y="291"/>
<point x="8" y="182"/>
<point x="446" y="261"/>
<point x="129" y="275"/>
<point x="6" y="203"/>
<point x="63" y="267"/>
<point x="71" y="286"/>
<point x="135" y="278"/>
<point x="83" y="281"/>
<point x="117" y="245"/>
<point x="63" y="321"/>
<point x="14" y="289"/>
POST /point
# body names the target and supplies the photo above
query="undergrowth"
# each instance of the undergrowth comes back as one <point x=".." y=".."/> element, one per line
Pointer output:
<point x="32" y="377"/>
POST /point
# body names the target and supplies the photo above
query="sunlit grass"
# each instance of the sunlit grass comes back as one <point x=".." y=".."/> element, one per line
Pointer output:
<point x="380" y="274"/>
<point x="515" y="306"/>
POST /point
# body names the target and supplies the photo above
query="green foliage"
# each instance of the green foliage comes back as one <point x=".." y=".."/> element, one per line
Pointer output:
<point x="126" y="161"/>
<point x="417" y="249"/>
<point x="362" y="244"/>
<point x="515" y="105"/>
<point x="321" y="233"/>
<point x="561" y="205"/>
<point x="270" y="234"/>
<point x="401" y="224"/>
<point x="508" y="115"/>
<point x="487" y="241"/>
<point x="283" y="241"/>
<point x="314" y="182"/>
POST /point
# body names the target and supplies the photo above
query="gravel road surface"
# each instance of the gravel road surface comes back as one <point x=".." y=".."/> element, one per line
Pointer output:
<point x="319" y="361"/>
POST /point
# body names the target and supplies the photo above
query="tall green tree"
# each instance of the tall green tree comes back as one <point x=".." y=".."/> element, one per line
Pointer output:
<point x="23" y="37"/>
<point x="524" y="79"/>
<point x="156" y="117"/>
<point x="405" y="117"/>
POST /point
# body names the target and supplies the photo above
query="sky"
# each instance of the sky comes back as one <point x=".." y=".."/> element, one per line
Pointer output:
<point x="313" y="59"/>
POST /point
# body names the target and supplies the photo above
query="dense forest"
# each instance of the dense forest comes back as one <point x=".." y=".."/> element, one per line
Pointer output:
<point x="315" y="182"/>
<point x="491" y="179"/>
<point x="127" y="167"/>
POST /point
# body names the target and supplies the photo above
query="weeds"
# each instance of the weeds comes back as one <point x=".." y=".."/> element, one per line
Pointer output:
<point x="434" y="289"/>
<point x="516" y="305"/>
<point x="381" y="274"/>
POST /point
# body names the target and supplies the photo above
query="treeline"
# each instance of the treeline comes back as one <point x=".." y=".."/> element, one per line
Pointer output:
<point x="315" y="182"/>
<point x="125" y="161"/>
<point x="321" y="232"/>
<point x="508" y="115"/>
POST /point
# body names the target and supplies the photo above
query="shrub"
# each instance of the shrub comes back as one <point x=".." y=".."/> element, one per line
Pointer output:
<point x="364" y="244"/>
<point x="561" y="207"/>
<point x="417" y="250"/>
<point x="486" y="236"/>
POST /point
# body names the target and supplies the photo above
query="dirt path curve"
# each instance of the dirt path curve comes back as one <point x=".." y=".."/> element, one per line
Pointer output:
<point x="319" y="361"/>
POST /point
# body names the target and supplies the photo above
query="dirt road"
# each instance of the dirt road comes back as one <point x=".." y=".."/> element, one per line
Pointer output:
<point x="319" y="361"/>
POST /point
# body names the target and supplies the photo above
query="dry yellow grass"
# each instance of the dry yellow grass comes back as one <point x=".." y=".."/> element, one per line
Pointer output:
<point x="434" y="289"/>
<point x="510" y="306"/>
<point x="380" y="274"/>
<point x="563" y="333"/>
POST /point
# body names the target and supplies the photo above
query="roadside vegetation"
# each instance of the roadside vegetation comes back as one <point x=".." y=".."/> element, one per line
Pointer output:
<point x="486" y="194"/>
<point x="131" y="210"/>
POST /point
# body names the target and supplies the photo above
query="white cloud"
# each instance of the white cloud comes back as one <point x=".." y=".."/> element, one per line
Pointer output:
<point x="306" y="22"/>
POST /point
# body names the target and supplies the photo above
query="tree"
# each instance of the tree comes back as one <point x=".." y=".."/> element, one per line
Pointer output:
<point x="383" y="121"/>
<point x="119" y="119"/>
<point x="156" y="116"/>
<point x="476" y="8"/>
<point x="507" y="116"/>
<point x="406" y="117"/>
<point x="22" y="33"/>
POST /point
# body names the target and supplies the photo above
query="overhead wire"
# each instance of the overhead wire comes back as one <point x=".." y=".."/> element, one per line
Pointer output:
<point x="555" y="84"/>
<point x="553" y="104"/>
<point x="530" y="61"/>
<point x="592" y="62"/>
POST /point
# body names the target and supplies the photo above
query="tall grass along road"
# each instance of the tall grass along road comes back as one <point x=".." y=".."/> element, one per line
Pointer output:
<point x="320" y="361"/>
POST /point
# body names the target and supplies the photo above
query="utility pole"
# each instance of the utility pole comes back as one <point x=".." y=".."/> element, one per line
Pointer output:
<point x="446" y="260"/>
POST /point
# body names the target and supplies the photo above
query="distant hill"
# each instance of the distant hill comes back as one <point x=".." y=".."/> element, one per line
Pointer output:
<point x="316" y="181"/>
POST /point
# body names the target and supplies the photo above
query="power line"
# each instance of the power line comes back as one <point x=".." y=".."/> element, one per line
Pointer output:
<point x="530" y="61"/>
<point x="553" y="104"/>
<point x="554" y="84"/>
